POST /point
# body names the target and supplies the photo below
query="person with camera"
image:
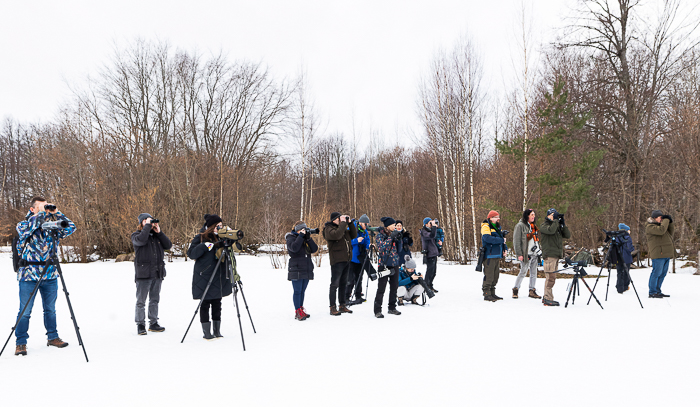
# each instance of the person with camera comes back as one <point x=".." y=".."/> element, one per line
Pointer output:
<point x="406" y="242"/>
<point x="360" y="250"/>
<point x="439" y="237"/>
<point x="659" y="231"/>
<point x="203" y="251"/>
<point x="34" y="247"/>
<point x="430" y="250"/>
<point x="388" y="247"/>
<point x="339" y="233"/>
<point x="150" y="244"/>
<point x="553" y="232"/>
<point x="494" y="242"/>
<point x="624" y="263"/>
<point x="409" y="289"/>
<point x="300" y="270"/>
<point x="526" y="246"/>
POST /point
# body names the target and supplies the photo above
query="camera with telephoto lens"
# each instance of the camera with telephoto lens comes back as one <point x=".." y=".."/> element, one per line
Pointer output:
<point x="430" y="293"/>
<point x="580" y="263"/>
<point x="49" y="207"/>
<point x="56" y="225"/>
<point x="505" y="232"/>
<point x="613" y="236"/>
<point x="383" y="272"/>
<point x="311" y="231"/>
<point x="535" y="251"/>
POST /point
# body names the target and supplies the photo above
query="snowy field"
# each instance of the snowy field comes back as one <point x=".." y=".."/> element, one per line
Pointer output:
<point x="457" y="351"/>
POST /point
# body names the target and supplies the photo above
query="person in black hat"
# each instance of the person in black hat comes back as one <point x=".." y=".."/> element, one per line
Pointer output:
<point x="203" y="251"/>
<point x="150" y="244"/>
<point x="389" y="245"/>
<point x="339" y="233"/>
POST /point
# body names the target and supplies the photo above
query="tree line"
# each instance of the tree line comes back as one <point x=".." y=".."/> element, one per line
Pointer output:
<point x="604" y="128"/>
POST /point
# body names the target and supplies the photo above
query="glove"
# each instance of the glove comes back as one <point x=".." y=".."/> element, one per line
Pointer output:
<point x="218" y="244"/>
<point x="670" y="219"/>
<point x="562" y="222"/>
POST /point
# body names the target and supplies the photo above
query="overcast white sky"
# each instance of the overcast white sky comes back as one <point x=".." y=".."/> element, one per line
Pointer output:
<point x="364" y="57"/>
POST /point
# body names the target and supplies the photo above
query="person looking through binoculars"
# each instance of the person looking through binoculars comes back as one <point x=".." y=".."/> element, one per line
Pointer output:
<point x="494" y="242"/>
<point x="150" y="244"/>
<point x="430" y="250"/>
<point x="553" y="231"/>
<point x="406" y="242"/>
<point x="203" y="250"/>
<point x="339" y="233"/>
<point x="526" y="244"/>
<point x="360" y="251"/>
<point x="659" y="230"/>
<point x="35" y="245"/>
<point x="388" y="247"/>
<point x="409" y="288"/>
<point x="300" y="270"/>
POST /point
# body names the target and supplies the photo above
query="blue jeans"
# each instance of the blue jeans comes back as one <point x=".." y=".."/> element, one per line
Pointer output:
<point x="659" y="268"/>
<point x="299" y="290"/>
<point x="49" y="291"/>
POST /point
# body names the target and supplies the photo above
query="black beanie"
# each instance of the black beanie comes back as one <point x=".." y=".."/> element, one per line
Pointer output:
<point x="388" y="220"/>
<point x="212" y="220"/>
<point x="334" y="216"/>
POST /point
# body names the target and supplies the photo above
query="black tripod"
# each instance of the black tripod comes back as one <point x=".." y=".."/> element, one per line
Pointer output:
<point x="366" y="267"/>
<point x="229" y="261"/>
<point x="574" y="288"/>
<point x="606" y="262"/>
<point x="51" y="261"/>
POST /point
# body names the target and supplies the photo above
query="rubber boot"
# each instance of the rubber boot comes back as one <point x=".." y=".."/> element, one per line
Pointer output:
<point x="217" y="329"/>
<point x="206" y="327"/>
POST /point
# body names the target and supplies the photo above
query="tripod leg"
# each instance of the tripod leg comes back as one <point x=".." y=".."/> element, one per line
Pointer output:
<point x="204" y="295"/>
<point x="21" y="314"/>
<point x="592" y="295"/>
<point x="571" y="289"/>
<point x="608" y="286"/>
<point x="635" y="288"/>
<point x="240" y="286"/>
<point x="576" y="288"/>
<point x="606" y="249"/>
<point x="70" y="308"/>
<point x="238" y="313"/>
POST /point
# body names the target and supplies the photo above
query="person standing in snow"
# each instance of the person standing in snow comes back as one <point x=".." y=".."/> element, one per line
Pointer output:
<point x="360" y="250"/>
<point x="150" y="244"/>
<point x="203" y="251"/>
<point x="439" y="236"/>
<point x="659" y="230"/>
<point x="300" y="270"/>
<point x="624" y="264"/>
<point x="388" y="247"/>
<point x="35" y="245"/>
<point x="495" y="249"/>
<point x="553" y="232"/>
<point x="339" y="233"/>
<point x="525" y="244"/>
<point x="430" y="249"/>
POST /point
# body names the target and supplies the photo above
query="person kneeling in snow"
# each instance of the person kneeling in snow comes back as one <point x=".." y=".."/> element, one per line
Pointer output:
<point x="409" y="289"/>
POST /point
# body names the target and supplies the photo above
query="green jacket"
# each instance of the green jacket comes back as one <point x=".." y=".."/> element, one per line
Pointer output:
<point x="339" y="238"/>
<point x="520" y="239"/>
<point x="659" y="239"/>
<point x="552" y="238"/>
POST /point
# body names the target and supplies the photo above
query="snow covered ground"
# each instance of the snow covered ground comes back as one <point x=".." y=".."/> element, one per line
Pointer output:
<point x="457" y="351"/>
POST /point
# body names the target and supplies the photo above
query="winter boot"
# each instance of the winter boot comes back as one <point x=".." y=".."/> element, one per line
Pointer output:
<point x="414" y="299"/>
<point x="306" y="314"/>
<point x="489" y="297"/>
<point x="57" y="343"/>
<point x="399" y="301"/>
<point x="533" y="294"/>
<point x="344" y="309"/>
<point x="156" y="328"/>
<point x="21" y="350"/>
<point x="217" y="329"/>
<point x="334" y="311"/>
<point x="206" y="327"/>
<point x="379" y="315"/>
<point x="515" y="292"/>
<point x="141" y="329"/>
<point x="299" y="314"/>
<point x="493" y="294"/>
<point x="394" y="312"/>
<point x="550" y="303"/>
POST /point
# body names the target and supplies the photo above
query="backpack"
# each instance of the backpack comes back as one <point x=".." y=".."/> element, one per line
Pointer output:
<point x="16" y="255"/>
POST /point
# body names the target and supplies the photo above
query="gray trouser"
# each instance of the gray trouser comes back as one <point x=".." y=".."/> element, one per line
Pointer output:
<point x="150" y="288"/>
<point x="525" y="265"/>
<point x="408" y="294"/>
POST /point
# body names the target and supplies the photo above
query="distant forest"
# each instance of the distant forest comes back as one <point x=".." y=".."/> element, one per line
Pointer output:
<point x="605" y="127"/>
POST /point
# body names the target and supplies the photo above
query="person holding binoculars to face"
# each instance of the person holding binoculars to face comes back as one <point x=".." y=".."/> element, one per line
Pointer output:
<point x="339" y="233"/>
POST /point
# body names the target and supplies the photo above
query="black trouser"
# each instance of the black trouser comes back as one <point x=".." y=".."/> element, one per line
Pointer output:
<point x="393" y="287"/>
<point x="430" y="272"/>
<point x="623" y="277"/>
<point x="215" y="310"/>
<point x="339" y="279"/>
<point x="355" y="278"/>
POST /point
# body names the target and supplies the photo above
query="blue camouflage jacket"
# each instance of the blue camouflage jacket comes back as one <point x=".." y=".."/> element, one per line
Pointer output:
<point x="39" y="244"/>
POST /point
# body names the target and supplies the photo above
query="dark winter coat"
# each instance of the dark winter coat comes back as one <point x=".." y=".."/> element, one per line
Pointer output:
<point x="204" y="265"/>
<point x="552" y="238"/>
<point x="492" y="240"/>
<point x="440" y="236"/>
<point x="149" y="252"/>
<point x="659" y="237"/>
<point x="300" y="247"/>
<point x="627" y="248"/>
<point x="406" y="243"/>
<point x="339" y="238"/>
<point x="427" y="238"/>
<point x="388" y="248"/>
<point x="360" y="249"/>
